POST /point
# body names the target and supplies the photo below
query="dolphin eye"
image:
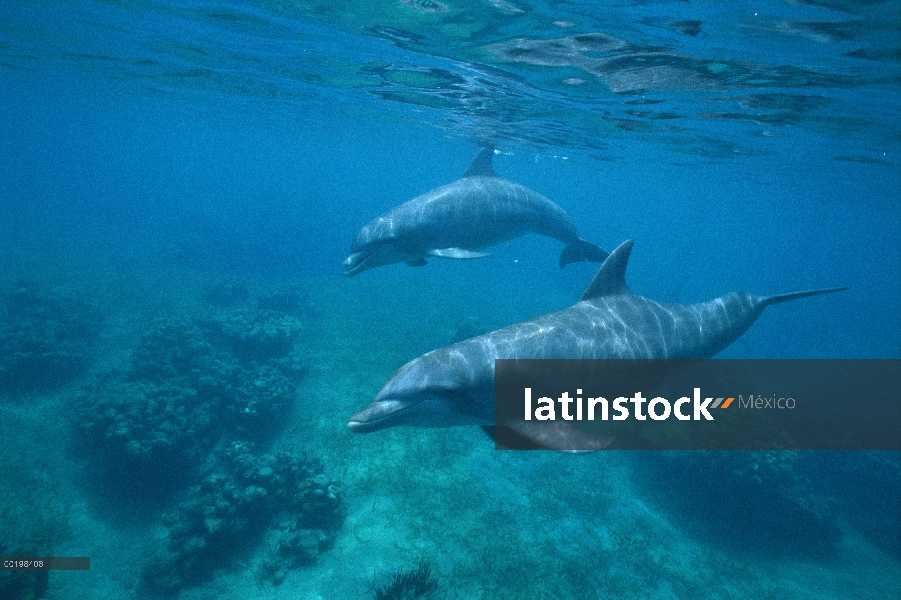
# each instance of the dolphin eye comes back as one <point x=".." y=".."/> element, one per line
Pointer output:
<point x="449" y="391"/>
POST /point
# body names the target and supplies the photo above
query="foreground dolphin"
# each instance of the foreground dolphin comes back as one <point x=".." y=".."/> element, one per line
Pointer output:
<point x="459" y="219"/>
<point x="455" y="385"/>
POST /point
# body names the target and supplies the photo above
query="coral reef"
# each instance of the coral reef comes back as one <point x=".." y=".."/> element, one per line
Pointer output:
<point x="233" y="507"/>
<point x="763" y="501"/>
<point x="289" y="301"/>
<point x="171" y="418"/>
<point x="256" y="335"/>
<point x="22" y="585"/>
<point x="46" y="340"/>
<point x="226" y="293"/>
<point x="864" y="487"/>
<point x="34" y="514"/>
<point x="409" y="585"/>
<point x="191" y="384"/>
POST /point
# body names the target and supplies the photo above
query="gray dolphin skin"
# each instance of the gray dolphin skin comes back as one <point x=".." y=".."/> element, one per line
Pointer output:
<point x="462" y="218"/>
<point x="455" y="385"/>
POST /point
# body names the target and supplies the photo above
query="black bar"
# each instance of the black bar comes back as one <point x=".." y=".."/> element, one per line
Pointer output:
<point x="45" y="563"/>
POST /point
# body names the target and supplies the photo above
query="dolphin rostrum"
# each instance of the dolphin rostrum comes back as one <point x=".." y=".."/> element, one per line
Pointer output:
<point x="459" y="219"/>
<point x="455" y="385"/>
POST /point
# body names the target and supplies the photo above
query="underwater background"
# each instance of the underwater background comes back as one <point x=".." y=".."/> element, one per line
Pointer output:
<point x="180" y="353"/>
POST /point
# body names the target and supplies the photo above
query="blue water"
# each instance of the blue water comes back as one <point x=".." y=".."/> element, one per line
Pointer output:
<point x="152" y="150"/>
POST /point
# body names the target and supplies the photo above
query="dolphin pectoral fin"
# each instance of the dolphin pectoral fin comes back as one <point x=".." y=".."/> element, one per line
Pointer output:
<point x="582" y="251"/>
<point x="459" y="253"/>
<point x="481" y="164"/>
<point x="557" y="435"/>
<point x="417" y="262"/>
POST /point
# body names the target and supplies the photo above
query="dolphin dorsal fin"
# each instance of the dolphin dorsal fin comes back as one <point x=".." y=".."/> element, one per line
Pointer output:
<point x="481" y="164"/>
<point x="610" y="279"/>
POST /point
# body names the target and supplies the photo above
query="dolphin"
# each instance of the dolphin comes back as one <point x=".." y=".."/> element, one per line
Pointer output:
<point x="459" y="219"/>
<point x="454" y="385"/>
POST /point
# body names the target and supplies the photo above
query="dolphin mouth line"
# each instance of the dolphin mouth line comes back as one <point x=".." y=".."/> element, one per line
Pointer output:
<point x="357" y="266"/>
<point x="360" y="426"/>
<point x="370" y="426"/>
<point x="366" y="426"/>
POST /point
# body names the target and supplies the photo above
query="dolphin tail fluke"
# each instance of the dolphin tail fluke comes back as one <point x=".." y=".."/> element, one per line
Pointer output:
<point x="582" y="251"/>
<point x="767" y="301"/>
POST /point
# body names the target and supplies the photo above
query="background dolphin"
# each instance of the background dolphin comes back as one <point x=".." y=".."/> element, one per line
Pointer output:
<point x="455" y="385"/>
<point x="459" y="219"/>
